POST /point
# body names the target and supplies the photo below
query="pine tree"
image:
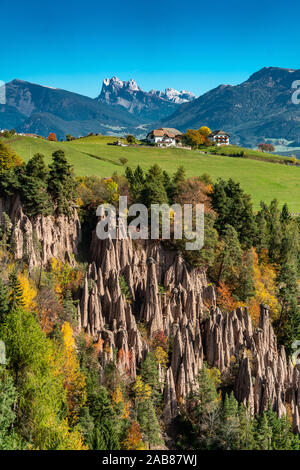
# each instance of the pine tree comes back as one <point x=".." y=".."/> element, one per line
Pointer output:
<point x="149" y="374"/>
<point x="37" y="168"/>
<point x="61" y="183"/>
<point x="179" y="176"/>
<point x="263" y="433"/>
<point x="230" y="424"/>
<point x="246" y="429"/>
<point x="16" y="292"/>
<point x="4" y="301"/>
<point x="148" y="421"/>
<point x="105" y="433"/>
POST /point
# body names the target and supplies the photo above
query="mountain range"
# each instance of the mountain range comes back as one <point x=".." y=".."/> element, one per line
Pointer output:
<point x="121" y="108"/>
<point x="148" y="106"/>
<point x="260" y="108"/>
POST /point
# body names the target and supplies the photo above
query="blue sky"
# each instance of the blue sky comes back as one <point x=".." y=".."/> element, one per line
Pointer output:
<point x="193" y="45"/>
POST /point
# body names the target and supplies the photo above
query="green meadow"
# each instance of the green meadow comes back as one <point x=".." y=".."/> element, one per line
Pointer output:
<point x="92" y="156"/>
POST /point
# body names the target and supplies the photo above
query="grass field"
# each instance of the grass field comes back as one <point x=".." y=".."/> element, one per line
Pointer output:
<point x="92" y="156"/>
<point x="249" y="153"/>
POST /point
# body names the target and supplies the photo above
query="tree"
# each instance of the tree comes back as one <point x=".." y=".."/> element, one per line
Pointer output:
<point x="36" y="364"/>
<point x="4" y="301"/>
<point x="36" y="167"/>
<point x="34" y="187"/>
<point x="74" y="381"/>
<point x="61" y="182"/>
<point x="16" y="292"/>
<point x="153" y="191"/>
<point x="130" y="139"/>
<point x="52" y="137"/>
<point x="201" y="413"/>
<point x="8" y="158"/>
<point x="230" y="423"/>
<point x="205" y="131"/>
<point x="193" y="138"/>
<point x="264" y="147"/>
<point x="104" y="435"/>
<point x="179" y="176"/>
<point x="149" y="375"/>
<point x="234" y="207"/>
<point x="9" y="439"/>
<point x="133" y="440"/>
<point x="123" y="160"/>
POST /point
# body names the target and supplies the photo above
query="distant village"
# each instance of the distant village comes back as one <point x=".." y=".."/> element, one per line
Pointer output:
<point x="162" y="137"/>
<point x="170" y="137"/>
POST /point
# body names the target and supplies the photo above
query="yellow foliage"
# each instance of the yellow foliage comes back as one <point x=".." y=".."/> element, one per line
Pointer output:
<point x="29" y="291"/>
<point x="117" y="396"/>
<point x="66" y="277"/>
<point x="161" y="356"/>
<point x="112" y="190"/>
<point x="142" y="390"/>
<point x="126" y="410"/>
<point x="215" y="375"/>
<point x="74" y="379"/>
<point x="265" y="288"/>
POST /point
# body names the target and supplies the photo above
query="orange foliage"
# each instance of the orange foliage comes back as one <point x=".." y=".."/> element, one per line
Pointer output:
<point x="265" y="287"/>
<point x="160" y="340"/>
<point x="193" y="191"/>
<point x="225" y="299"/>
<point x="134" y="438"/>
<point x="52" y="137"/>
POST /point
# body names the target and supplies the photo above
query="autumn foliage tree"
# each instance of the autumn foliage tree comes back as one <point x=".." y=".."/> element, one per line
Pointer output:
<point x="74" y="379"/>
<point x="52" y="137"/>
<point x="264" y="147"/>
<point x="8" y="158"/>
<point x="133" y="440"/>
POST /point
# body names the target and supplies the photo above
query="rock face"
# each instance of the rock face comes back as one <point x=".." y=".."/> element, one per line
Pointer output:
<point x="151" y="106"/>
<point x="38" y="240"/>
<point x="167" y="295"/>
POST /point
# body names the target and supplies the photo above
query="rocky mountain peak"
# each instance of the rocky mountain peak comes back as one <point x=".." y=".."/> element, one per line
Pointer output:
<point x="130" y="96"/>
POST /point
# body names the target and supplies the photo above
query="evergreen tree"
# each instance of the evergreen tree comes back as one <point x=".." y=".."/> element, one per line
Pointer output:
<point x="230" y="423"/>
<point x="179" y="175"/>
<point x="246" y="429"/>
<point x="61" y="183"/>
<point x="104" y="435"/>
<point x="244" y="288"/>
<point x="287" y="326"/>
<point x="229" y="257"/>
<point x="148" y="421"/>
<point x="149" y="374"/>
<point x="263" y="433"/>
<point x="234" y="207"/>
<point x="37" y="168"/>
<point x="9" y="440"/>
<point x="16" y="292"/>
<point x="4" y="301"/>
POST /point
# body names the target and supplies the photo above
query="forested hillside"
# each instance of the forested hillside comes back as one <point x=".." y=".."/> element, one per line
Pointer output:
<point x="130" y="344"/>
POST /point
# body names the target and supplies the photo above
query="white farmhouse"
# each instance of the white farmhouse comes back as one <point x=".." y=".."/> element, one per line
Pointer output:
<point x="164" y="137"/>
<point x="219" y="137"/>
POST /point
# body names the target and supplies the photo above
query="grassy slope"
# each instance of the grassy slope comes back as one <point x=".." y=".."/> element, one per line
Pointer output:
<point x="264" y="181"/>
<point x="255" y="154"/>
